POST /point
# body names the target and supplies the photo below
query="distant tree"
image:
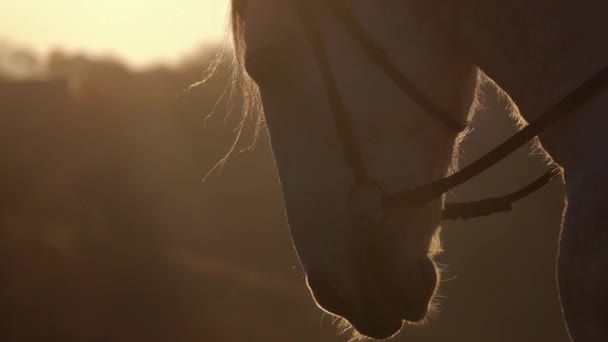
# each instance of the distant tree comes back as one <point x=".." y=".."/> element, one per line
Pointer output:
<point x="17" y="62"/>
<point x="62" y="65"/>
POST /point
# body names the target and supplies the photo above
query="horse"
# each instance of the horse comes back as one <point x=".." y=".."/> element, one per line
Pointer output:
<point x="344" y="135"/>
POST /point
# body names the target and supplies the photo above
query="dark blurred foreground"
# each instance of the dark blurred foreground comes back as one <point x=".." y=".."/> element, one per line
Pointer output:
<point x="108" y="234"/>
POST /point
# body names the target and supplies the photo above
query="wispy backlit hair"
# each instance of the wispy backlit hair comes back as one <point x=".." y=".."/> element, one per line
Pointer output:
<point x="241" y="84"/>
<point x="252" y="106"/>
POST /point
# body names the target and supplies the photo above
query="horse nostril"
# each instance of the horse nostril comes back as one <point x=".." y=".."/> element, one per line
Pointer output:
<point x="429" y="278"/>
<point x="326" y="296"/>
<point x="405" y="289"/>
<point x="419" y="301"/>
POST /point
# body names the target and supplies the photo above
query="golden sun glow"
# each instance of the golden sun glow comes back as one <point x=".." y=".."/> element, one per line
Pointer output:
<point x="139" y="31"/>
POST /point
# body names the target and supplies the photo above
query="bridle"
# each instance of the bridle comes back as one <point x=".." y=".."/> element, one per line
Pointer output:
<point x="423" y="194"/>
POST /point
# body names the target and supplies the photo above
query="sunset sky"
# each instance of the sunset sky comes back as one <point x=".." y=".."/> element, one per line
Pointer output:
<point x="140" y="32"/>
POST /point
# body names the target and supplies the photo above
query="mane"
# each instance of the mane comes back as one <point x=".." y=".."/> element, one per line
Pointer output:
<point x="252" y="105"/>
<point x="241" y="84"/>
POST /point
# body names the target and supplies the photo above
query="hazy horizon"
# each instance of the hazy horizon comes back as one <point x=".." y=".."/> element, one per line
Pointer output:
<point x="137" y="32"/>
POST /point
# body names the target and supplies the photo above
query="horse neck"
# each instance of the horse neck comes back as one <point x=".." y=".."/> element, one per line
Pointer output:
<point x="546" y="53"/>
<point x="538" y="54"/>
<point x="580" y="143"/>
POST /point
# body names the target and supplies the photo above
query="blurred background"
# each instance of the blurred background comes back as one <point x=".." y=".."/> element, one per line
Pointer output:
<point x="108" y="234"/>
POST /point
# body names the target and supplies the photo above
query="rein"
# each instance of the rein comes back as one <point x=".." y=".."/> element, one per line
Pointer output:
<point x="423" y="194"/>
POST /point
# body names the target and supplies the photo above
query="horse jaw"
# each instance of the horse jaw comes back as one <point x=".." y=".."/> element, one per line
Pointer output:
<point x="378" y="275"/>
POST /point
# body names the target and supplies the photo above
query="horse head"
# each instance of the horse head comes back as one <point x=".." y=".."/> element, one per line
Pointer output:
<point x="375" y="272"/>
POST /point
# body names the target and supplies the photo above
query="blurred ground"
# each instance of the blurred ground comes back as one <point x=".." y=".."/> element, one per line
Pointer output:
<point x="108" y="234"/>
